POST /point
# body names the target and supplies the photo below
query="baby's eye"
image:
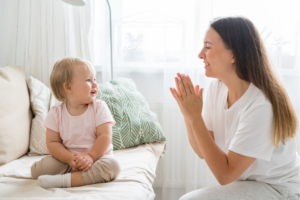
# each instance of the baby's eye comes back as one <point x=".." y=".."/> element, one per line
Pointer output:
<point x="88" y="80"/>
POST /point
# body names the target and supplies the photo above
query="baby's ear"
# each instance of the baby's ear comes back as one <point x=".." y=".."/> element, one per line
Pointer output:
<point x="68" y="88"/>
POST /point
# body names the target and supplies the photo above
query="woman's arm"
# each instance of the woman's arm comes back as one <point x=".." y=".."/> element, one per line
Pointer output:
<point x="192" y="139"/>
<point x="226" y="167"/>
<point x="104" y="136"/>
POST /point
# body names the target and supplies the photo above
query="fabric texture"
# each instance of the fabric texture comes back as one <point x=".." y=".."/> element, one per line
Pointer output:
<point x="15" y="114"/>
<point x="41" y="100"/>
<point x="135" y="123"/>
<point x="105" y="169"/>
<point x="246" y="190"/>
<point x="78" y="133"/>
<point x="134" y="182"/>
<point x="247" y="129"/>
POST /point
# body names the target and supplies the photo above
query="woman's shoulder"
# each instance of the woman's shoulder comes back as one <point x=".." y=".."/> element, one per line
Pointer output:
<point x="256" y="99"/>
<point x="258" y="96"/>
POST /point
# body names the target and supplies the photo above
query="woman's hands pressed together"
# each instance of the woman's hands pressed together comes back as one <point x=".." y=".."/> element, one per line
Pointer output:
<point x="189" y="99"/>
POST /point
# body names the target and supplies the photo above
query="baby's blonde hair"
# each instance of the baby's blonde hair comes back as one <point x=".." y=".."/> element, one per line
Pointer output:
<point x="62" y="72"/>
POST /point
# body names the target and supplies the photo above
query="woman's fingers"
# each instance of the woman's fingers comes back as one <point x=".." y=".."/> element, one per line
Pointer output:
<point x="175" y="94"/>
<point x="171" y="89"/>
<point x="181" y="86"/>
<point x="191" y="85"/>
<point x="201" y="94"/>
<point x="184" y="85"/>
<point x="177" y="85"/>
<point x="187" y="83"/>
<point x="197" y="90"/>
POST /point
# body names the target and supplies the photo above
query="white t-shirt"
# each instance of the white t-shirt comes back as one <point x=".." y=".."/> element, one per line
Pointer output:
<point x="246" y="128"/>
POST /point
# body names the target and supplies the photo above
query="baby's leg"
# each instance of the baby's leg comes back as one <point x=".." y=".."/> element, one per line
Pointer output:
<point x="51" y="173"/>
<point x="49" y="166"/>
<point x="106" y="169"/>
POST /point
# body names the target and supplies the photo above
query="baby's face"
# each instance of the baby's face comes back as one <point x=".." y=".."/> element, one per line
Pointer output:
<point x="84" y="86"/>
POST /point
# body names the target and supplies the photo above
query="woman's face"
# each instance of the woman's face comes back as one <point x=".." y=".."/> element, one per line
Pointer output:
<point x="219" y="61"/>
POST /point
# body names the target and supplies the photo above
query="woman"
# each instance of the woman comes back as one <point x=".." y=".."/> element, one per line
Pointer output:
<point x="247" y="132"/>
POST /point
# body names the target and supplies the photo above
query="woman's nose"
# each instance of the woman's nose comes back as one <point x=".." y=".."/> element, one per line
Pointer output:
<point x="201" y="55"/>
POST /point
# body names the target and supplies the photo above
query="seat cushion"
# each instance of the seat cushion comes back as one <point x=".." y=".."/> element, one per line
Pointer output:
<point x="15" y="114"/>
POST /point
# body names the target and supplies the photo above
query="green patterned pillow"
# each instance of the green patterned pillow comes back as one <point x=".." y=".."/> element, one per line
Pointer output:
<point x="135" y="123"/>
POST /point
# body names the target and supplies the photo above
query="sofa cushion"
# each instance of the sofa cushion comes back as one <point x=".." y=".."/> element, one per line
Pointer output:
<point x="42" y="100"/>
<point x="15" y="114"/>
<point x="135" y="123"/>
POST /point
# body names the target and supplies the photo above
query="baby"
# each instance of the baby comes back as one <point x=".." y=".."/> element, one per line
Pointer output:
<point x="78" y="132"/>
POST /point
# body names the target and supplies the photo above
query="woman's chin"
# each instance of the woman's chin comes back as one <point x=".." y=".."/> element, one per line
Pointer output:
<point x="207" y="74"/>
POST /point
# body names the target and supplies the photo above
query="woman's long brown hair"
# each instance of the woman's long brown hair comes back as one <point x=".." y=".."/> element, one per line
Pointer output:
<point x="253" y="65"/>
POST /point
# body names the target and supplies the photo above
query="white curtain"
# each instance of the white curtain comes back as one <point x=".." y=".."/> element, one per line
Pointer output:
<point x="41" y="32"/>
<point x="153" y="40"/>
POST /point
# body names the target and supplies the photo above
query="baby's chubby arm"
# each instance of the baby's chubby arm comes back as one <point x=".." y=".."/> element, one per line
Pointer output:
<point x="57" y="149"/>
<point x="104" y="136"/>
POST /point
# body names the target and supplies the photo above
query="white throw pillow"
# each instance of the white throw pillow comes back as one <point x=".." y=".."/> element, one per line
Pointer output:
<point x="15" y="114"/>
<point x="42" y="100"/>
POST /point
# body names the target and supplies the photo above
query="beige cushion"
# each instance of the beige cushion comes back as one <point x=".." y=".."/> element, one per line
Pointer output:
<point x="42" y="100"/>
<point x="15" y="114"/>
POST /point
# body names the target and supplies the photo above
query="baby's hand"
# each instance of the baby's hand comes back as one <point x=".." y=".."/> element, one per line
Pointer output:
<point x="72" y="161"/>
<point x="84" y="162"/>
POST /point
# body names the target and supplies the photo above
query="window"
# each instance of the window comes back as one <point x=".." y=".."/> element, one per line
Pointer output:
<point x="168" y="33"/>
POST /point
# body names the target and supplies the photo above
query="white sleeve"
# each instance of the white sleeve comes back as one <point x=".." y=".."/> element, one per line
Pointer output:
<point x="207" y="111"/>
<point x="254" y="135"/>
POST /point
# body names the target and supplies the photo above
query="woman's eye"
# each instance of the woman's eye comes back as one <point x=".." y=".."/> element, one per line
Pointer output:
<point x="207" y="47"/>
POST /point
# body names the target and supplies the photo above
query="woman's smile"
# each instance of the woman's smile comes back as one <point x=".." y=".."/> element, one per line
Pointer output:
<point x="206" y="65"/>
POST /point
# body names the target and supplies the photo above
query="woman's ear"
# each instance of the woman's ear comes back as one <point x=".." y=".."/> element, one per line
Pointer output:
<point x="68" y="88"/>
<point x="232" y="60"/>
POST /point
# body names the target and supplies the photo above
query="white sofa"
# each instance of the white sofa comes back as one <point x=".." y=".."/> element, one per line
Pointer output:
<point x="138" y="163"/>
